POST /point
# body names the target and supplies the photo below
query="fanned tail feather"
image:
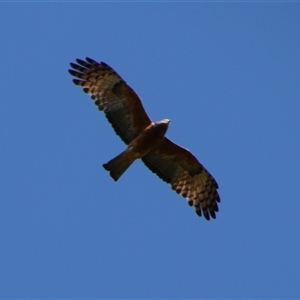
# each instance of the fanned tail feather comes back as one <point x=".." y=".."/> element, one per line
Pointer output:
<point x="118" y="165"/>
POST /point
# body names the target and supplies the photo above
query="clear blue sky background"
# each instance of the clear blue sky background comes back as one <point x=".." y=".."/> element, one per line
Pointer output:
<point x="227" y="75"/>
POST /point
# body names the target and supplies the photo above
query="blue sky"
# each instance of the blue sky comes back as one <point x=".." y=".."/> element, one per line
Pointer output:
<point x="227" y="75"/>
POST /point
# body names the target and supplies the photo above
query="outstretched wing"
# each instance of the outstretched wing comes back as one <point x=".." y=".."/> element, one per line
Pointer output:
<point x="121" y="105"/>
<point x="187" y="176"/>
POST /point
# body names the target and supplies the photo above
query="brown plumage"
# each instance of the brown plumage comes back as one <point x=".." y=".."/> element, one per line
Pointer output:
<point x="145" y="139"/>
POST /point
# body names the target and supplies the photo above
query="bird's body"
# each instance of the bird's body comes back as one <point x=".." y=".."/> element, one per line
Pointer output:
<point x="145" y="139"/>
<point x="149" y="138"/>
<point x="138" y="148"/>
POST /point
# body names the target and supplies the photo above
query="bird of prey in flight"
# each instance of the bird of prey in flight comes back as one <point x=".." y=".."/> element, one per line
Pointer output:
<point x="145" y="139"/>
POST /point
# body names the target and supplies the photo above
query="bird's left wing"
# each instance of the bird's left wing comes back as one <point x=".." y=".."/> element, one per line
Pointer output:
<point x="180" y="168"/>
<point x="121" y="105"/>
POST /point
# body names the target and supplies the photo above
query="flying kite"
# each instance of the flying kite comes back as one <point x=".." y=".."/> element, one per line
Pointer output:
<point x="145" y="139"/>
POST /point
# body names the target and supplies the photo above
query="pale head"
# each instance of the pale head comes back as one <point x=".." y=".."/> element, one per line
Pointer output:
<point x="161" y="127"/>
<point x="166" y="121"/>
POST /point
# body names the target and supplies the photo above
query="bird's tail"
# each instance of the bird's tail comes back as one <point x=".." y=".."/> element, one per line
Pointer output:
<point x="118" y="165"/>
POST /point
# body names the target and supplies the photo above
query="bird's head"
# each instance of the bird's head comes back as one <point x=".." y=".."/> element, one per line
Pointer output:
<point x="161" y="127"/>
<point x="165" y="121"/>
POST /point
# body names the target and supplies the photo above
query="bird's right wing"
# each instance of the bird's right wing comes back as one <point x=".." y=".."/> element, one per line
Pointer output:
<point x="121" y="105"/>
<point x="180" y="168"/>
